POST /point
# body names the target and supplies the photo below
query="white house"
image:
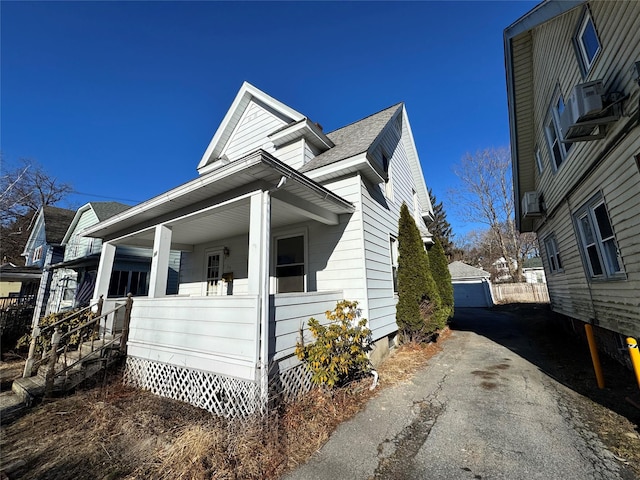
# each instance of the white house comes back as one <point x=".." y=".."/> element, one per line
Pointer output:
<point x="282" y="222"/>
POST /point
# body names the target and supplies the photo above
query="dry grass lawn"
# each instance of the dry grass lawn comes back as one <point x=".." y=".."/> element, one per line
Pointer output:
<point x="116" y="432"/>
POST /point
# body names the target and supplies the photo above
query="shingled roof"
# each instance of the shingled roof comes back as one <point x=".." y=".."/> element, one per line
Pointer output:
<point x="353" y="139"/>
<point x="104" y="210"/>
<point x="56" y="223"/>
<point x="459" y="270"/>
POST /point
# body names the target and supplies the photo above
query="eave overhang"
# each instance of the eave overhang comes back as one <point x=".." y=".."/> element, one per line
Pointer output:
<point x="258" y="170"/>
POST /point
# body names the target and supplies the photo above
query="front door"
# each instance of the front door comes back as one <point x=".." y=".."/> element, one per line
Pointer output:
<point x="214" y="272"/>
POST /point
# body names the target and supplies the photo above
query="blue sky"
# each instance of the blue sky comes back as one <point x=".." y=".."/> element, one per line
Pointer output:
<point x="121" y="99"/>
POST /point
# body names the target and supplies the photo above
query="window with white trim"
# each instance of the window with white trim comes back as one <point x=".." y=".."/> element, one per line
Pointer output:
<point x="597" y="240"/>
<point x="388" y="184"/>
<point x="37" y="254"/>
<point x="587" y="43"/>
<point x="557" y="149"/>
<point x="553" y="255"/>
<point x="393" y="250"/>
<point x="290" y="264"/>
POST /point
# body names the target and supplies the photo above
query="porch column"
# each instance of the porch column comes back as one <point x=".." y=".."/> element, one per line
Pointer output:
<point x="259" y="234"/>
<point x="258" y="269"/>
<point x="107" y="257"/>
<point x="160" y="262"/>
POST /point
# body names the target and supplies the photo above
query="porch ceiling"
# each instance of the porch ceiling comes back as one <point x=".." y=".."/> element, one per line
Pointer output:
<point x="223" y="222"/>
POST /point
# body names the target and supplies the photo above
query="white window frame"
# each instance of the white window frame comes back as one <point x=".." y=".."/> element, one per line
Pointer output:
<point x="393" y="256"/>
<point x="585" y="60"/>
<point x="553" y="254"/>
<point x="37" y="254"/>
<point x="388" y="184"/>
<point x="212" y="289"/>
<point x="593" y="246"/>
<point x="305" y="264"/>
<point x="539" y="161"/>
<point x="553" y="134"/>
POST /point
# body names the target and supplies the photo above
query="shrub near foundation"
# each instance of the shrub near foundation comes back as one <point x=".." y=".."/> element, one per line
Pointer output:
<point x="339" y="352"/>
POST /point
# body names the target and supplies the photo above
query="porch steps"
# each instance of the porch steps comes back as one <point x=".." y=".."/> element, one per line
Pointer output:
<point x="29" y="391"/>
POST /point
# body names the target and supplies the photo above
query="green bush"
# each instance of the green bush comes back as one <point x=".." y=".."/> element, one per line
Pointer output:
<point x="339" y="352"/>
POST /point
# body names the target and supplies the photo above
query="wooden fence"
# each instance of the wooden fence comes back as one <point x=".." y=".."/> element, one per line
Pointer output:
<point x="520" y="293"/>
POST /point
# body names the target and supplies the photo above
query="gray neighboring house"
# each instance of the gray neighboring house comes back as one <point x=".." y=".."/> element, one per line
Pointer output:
<point x="471" y="285"/>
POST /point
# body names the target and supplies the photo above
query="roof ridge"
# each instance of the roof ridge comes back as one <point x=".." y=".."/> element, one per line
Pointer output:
<point x="364" y="118"/>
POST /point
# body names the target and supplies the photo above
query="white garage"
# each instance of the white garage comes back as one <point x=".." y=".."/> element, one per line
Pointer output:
<point x="471" y="286"/>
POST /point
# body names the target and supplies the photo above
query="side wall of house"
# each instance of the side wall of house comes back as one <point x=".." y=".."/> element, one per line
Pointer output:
<point x="380" y="223"/>
<point x="603" y="167"/>
<point x="38" y="238"/>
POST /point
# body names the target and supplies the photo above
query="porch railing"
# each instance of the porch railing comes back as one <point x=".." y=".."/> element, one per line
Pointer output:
<point x="75" y="346"/>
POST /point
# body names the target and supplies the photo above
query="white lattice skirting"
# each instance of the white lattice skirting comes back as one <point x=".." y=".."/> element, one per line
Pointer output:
<point x="224" y="396"/>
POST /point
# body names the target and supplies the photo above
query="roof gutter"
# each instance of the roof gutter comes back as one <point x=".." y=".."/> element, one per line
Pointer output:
<point x="303" y="180"/>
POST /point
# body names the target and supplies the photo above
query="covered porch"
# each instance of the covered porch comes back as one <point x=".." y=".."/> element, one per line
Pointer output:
<point x="244" y="287"/>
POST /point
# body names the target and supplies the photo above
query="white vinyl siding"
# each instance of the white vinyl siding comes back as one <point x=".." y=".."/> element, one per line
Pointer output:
<point x="252" y="131"/>
<point x="215" y="334"/>
<point x="380" y="220"/>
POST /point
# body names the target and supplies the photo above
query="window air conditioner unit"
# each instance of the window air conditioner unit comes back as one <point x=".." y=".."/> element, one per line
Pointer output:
<point x="586" y="113"/>
<point x="531" y="205"/>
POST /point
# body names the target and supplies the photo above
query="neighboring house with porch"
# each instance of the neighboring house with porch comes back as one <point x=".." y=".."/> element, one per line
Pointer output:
<point x="73" y="277"/>
<point x="282" y="222"/>
<point x="573" y="83"/>
<point x="44" y="248"/>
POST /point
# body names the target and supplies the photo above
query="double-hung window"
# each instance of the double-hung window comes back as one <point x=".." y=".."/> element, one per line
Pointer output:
<point x="393" y="250"/>
<point x="557" y="149"/>
<point x="290" y="264"/>
<point x="388" y="184"/>
<point x="553" y="255"/>
<point x="597" y="241"/>
<point x="587" y="43"/>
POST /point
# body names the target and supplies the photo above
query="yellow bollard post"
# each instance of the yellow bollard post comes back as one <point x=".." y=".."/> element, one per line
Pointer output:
<point x="594" y="355"/>
<point x="635" y="356"/>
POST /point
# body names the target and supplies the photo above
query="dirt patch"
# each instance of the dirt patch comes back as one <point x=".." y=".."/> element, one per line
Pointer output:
<point x="116" y="432"/>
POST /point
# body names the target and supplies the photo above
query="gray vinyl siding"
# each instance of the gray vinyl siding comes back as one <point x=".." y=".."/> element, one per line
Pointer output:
<point x="256" y="124"/>
<point x="613" y="303"/>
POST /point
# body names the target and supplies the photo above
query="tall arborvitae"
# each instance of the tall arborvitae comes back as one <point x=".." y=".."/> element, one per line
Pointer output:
<point x="442" y="276"/>
<point x="441" y="228"/>
<point x="418" y="312"/>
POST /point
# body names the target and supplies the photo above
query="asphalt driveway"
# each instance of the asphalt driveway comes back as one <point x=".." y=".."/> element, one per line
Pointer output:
<point x="481" y="409"/>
